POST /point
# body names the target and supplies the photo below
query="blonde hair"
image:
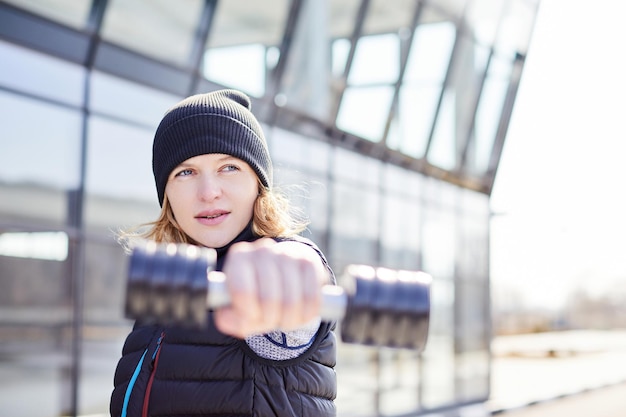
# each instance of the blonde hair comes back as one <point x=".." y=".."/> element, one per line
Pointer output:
<point x="272" y="216"/>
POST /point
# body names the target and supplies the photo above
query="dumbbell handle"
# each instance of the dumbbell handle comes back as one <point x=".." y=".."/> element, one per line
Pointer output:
<point x="333" y="305"/>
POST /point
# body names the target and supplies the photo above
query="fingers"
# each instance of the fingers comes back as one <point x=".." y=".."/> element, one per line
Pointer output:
<point x="272" y="286"/>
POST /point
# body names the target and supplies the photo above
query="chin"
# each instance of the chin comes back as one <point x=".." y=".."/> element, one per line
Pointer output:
<point x="214" y="243"/>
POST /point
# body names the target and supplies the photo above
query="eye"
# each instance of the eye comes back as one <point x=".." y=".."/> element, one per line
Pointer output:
<point x="230" y="168"/>
<point x="184" y="172"/>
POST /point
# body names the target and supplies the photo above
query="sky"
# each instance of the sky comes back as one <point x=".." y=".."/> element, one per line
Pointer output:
<point x="559" y="199"/>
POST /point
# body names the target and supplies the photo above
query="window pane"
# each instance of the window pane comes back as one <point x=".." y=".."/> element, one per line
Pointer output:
<point x="364" y="111"/>
<point x="129" y="101"/>
<point x="371" y="52"/>
<point x="42" y="149"/>
<point x="423" y="80"/>
<point x="119" y="184"/>
<point x="341" y="26"/>
<point x="438" y="370"/>
<point x="400" y="235"/>
<point x="119" y="161"/>
<point x="430" y="52"/>
<point x="248" y="60"/>
<point x="356" y="168"/>
<point x="354" y="225"/>
<point x="445" y="143"/>
<point x="289" y="149"/>
<point x="158" y="28"/>
<point x="414" y="119"/>
<point x="41" y="75"/>
<point x="237" y="48"/>
<point x="488" y="114"/>
<point x="68" y="12"/>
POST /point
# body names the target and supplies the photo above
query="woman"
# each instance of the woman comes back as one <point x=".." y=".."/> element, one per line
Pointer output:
<point x="213" y="176"/>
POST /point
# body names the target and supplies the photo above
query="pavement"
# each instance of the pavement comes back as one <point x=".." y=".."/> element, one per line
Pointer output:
<point x="609" y="401"/>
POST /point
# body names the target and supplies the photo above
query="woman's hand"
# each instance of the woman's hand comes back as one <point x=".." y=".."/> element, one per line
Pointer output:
<point x="272" y="286"/>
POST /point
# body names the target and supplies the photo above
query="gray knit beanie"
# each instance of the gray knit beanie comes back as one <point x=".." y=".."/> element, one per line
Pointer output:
<point x="216" y="122"/>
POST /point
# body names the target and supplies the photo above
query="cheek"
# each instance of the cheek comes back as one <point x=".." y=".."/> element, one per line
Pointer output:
<point x="176" y="201"/>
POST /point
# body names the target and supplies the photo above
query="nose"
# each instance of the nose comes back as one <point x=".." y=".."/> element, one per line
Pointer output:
<point x="209" y="188"/>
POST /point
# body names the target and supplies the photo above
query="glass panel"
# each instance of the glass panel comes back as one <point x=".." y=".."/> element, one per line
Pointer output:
<point x="341" y="20"/>
<point x="43" y="150"/>
<point x="430" y="52"/>
<point x="364" y="111"/>
<point x="158" y="28"/>
<point x="301" y="165"/>
<point x="488" y="114"/>
<point x="119" y="161"/>
<point x="472" y="373"/>
<point x="437" y="379"/>
<point x="35" y="320"/>
<point x="240" y="40"/>
<point x="41" y="75"/>
<point x="516" y="29"/>
<point x="460" y="98"/>
<point x="426" y="69"/>
<point x="400" y="233"/>
<point x="357" y="370"/>
<point x="473" y="239"/>
<point x="305" y="83"/>
<point x="128" y="101"/>
<point x="438" y="243"/>
<point x="105" y="327"/>
<point x="473" y="339"/>
<point x="444" y="147"/>
<point x="289" y="149"/>
<point x="356" y="168"/>
<point x="354" y="225"/>
<point x="399" y="382"/>
<point x="400" y="229"/>
<point x="370" y="52"/>
<point x="119" y="169"/>
<point x="483" y="17"/>
<point x="385" y="16"/>
<point x="35" y="245"/>
<point x="250" y="62"/>
<point x="68" y="12"/>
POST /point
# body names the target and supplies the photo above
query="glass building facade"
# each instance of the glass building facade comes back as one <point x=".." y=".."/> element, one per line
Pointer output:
<point x="388" y="115"/>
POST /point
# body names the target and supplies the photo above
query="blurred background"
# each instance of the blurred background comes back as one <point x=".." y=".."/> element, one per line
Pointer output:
<point x="477" y="140"/>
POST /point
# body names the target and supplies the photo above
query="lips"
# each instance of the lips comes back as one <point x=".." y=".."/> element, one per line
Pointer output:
<point x="212" y="217"/>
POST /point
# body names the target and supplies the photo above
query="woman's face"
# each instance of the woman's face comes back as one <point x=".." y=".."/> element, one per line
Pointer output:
<point x="212" y="197"/>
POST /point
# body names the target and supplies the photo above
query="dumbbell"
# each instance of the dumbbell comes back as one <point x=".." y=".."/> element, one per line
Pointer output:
<point x="171" y="284"/>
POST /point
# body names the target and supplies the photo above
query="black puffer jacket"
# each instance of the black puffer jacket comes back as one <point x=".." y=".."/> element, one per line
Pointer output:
<point x="175" y="372"/>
